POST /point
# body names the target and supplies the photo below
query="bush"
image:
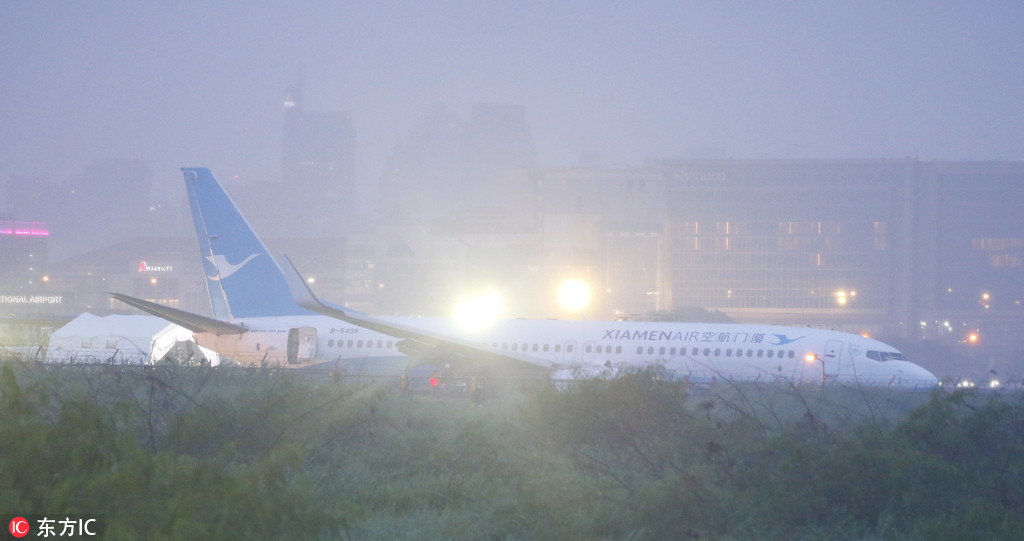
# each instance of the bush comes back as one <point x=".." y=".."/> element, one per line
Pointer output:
<point x="190" y="452"/>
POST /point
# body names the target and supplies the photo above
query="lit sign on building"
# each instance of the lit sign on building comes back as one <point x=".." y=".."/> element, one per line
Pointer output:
<point x="24" y="229"/>
<point x="143" y="267"/>
<point x="31" y="299"/>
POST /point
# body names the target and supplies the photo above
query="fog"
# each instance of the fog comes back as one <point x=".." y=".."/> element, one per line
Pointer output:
<point x="194" y="83"/>
<point x="465" y="117"/>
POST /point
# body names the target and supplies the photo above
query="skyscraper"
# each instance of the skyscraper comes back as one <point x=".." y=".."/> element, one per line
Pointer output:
<point x="317" y="163"/>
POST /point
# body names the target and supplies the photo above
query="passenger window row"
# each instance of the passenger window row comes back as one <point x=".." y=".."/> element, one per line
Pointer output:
<point x="380" y="344"/>
<point x="536" y="348"/>
<point x="599" y="349"/>
<point x="729" y="352"/>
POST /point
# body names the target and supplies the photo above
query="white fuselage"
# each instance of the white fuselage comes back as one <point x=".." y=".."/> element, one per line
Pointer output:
<point x="699" y="351"/>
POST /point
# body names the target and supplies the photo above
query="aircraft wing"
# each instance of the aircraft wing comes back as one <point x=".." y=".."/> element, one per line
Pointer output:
<point x="192" y="322"/>
<point x="422" y="339"/>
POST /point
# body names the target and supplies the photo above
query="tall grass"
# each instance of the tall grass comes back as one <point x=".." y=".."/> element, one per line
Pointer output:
<point x="171" y="452"/>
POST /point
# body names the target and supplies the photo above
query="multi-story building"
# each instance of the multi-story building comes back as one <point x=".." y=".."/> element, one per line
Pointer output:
<point x="317" y="171"/>
<point x="922" y="249"/>
<point x="809" y="242"/>
<point x="968" y="250"/>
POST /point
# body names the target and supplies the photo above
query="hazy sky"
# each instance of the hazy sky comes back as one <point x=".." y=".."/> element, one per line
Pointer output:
<point x="202" y="83"/>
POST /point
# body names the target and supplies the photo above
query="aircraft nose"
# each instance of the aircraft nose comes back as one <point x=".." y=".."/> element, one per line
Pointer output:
<point x="918" y="376"/>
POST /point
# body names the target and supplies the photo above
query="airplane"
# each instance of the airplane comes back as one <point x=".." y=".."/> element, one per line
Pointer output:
<point x="266" y="313"/>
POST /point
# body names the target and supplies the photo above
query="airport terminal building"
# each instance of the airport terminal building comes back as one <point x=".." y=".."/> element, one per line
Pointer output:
<point x="921" y="249"/>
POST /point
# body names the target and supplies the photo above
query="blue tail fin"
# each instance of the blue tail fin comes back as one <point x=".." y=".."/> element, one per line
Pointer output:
<point x="242" y="277"/>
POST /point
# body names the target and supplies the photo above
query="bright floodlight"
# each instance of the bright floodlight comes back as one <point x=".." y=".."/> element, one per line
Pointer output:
<point x="574" y="295"/>
<point x="478" y="313"/>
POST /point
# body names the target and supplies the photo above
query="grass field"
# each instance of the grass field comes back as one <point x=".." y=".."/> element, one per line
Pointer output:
<point x="172" y="452"/>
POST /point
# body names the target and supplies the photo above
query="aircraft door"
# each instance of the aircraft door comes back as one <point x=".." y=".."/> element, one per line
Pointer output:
<point x="833" y="350"/>
<point x="301" y="345"/>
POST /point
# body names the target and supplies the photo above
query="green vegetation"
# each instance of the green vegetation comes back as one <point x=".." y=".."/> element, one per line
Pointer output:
<point x="190" y="452"/>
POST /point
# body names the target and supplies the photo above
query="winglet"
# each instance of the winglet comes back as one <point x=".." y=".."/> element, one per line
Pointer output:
<point x="305" y="298"/>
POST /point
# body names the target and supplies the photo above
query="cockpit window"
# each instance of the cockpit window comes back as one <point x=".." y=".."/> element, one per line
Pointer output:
<point x="882" y="356"/>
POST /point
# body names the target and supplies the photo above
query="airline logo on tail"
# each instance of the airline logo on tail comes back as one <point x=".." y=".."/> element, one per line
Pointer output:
<point x="224" y="267"/>
<point x="241" y="284"/>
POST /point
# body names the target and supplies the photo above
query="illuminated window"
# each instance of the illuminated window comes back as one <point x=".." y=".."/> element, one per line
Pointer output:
<point x="1006" y="261"/>
<point x="997" y="244"/>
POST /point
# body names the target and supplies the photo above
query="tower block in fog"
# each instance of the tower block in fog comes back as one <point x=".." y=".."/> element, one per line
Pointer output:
<point x="318" y="162"/>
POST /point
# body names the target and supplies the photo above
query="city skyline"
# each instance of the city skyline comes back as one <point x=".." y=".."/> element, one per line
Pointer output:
<point x="188" y="84"/>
